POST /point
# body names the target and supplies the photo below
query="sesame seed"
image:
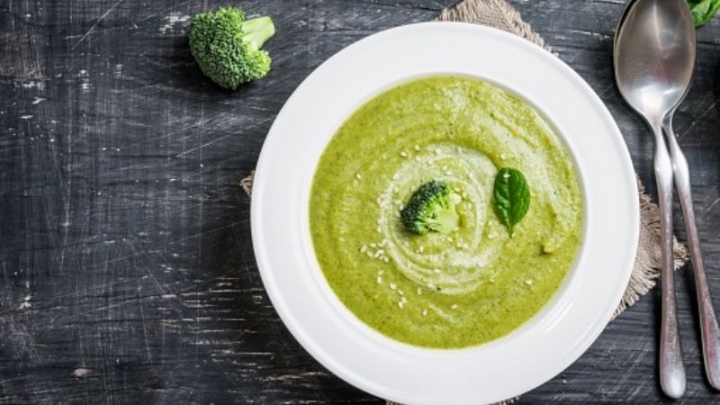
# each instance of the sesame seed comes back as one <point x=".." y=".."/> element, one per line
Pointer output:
<point x="419" y="291"/>
<point x="453" y="306"/>
<point x="393" y="286"/>
<point x="363" y="248"/>
<point x="424" y="312"/>
<point x="373" y="245"/>
<point x="404" y="154"/>
<point x="417" y="158"/>
<point x="437" y="271"/>
<point x="491" y="236"/>
<point x="404" y="300"/>
<point x="503" y="156"/>
<point x="401" y="304"/>
<point x="379" y="280"/>
<point x="400" y="292"/>
<point x="417" y="148"/>
<point x="386" y="260"/>
<point x="396" y="176"/>
<point x="421" y="249"/>
<point x="431" y="286"/>
<point x="381" y="272"/>
<point x="528" y="282"/>
<point x="358" y="176"/>
<point x="506" y="176"/>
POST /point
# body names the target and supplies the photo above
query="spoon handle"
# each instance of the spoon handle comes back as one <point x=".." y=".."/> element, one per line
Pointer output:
<point x="709" y="331"/>
<point x="672" y="369"/>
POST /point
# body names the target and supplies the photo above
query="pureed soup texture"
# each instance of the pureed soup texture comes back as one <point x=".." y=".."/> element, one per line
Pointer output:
<point x="468" y="286"/>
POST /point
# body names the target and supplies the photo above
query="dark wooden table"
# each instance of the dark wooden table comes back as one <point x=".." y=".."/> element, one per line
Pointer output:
<point x="127" y="273"/>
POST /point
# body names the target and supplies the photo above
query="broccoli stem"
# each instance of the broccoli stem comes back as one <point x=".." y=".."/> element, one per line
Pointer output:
<point x="445" y="221"/>
<point x="257" y="30"/>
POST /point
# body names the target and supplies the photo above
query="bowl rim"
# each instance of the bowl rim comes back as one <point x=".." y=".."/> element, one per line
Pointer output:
<point x="262" y="197"/>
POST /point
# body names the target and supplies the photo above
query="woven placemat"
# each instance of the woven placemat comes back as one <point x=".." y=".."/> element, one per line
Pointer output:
<point x="499" y="14"/>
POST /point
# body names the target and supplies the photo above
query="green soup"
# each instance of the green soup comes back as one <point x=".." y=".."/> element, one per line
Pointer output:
<point x="477" y="283"/>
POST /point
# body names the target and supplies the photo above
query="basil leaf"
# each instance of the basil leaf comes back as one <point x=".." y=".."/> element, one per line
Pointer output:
<point x="703" y="10"/>
<point x="512" y="197"/>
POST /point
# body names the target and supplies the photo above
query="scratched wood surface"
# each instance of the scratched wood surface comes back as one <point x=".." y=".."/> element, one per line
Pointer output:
<point x="127" y="274"/>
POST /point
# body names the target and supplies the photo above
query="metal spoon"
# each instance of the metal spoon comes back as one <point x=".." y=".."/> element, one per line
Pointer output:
<point x="709" y="330"/>
<point x="652" y="73"/>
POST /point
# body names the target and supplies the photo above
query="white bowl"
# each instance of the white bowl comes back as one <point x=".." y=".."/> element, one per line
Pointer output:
<point x="501" y="369"/>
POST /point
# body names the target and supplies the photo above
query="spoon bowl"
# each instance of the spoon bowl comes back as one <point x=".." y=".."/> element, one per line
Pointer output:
<point x="654" y="56"/>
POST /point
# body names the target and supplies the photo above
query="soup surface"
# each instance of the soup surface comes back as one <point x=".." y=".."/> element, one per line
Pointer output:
<point x="439" y="290"/>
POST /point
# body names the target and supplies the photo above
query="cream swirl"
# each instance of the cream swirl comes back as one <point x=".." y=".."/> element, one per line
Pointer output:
<point x="449" y="264"/>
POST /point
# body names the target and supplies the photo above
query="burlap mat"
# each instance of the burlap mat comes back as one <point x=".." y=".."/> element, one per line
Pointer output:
<point x="499" y="14"/>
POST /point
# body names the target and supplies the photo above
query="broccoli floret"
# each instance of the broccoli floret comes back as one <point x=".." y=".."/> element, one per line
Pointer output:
<point x="227" y="47"/>
<point x="431" y="208"/>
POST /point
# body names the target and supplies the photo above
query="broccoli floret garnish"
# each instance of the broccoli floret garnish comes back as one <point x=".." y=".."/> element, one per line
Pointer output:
<point x="227" y="47"/>
<point x="431" y="208"/>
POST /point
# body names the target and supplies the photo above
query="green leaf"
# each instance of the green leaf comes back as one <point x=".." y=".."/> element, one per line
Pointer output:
<point x="703" y="10"/>
<point x="512" y="197"/>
